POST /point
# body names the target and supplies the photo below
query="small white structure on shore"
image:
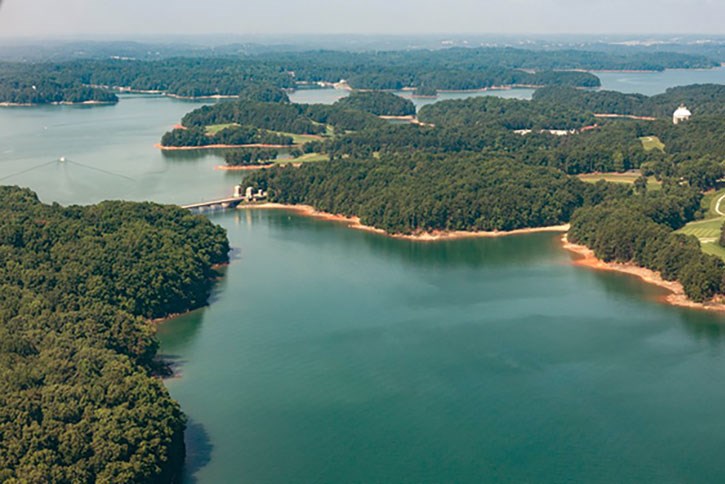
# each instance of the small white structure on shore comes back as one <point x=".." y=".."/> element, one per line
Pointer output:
<point x="681" y="114"/>
<point x="237" y="191"/>
<point x="249" y="193"/>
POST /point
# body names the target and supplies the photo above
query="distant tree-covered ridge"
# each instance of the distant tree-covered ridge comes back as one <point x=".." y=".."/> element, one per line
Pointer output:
<point x="78" y="399"/>
<point x="51" y="88"/>
<point x="446" y="69"/>
<point x="703" y="99"/>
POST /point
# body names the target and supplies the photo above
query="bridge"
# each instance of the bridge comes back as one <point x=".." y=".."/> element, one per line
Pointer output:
<point x="230" y="202"/>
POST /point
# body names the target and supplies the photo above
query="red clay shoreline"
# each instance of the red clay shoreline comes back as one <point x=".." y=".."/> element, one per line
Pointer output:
<point x="585" y="257"/>
<point x="438" y="235"/>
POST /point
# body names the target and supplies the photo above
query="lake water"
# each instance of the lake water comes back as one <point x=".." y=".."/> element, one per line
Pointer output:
<point x="332" y="355"/>
<point x="650" y="83"/>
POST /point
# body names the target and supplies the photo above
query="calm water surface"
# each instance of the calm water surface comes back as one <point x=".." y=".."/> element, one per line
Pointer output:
<point x="331" y="355"/>
<point x="651" y="83"/>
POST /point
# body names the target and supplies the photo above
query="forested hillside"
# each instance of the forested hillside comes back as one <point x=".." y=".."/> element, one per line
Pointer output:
<point x="78" y="399"/>
<point x="378" y="103"/>
<point x="423" y="193"/>
<point x="703" y="99"/>
<point x="499" y="164"/>
<point x="639" y="229"/>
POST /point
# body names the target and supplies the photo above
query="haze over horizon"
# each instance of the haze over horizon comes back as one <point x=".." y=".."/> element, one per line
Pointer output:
<point x="129" y="18"/>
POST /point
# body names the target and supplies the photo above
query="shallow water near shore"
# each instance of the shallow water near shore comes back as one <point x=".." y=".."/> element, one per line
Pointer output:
<point x="333" y="355"/>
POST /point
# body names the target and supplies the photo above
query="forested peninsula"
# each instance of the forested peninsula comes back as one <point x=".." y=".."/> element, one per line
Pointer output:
<point x="490" y="164"/>
<point x="80" y="399"/>
<point x="426" y="71"/>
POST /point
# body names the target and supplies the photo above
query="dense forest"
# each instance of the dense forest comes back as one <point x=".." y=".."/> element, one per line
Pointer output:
<point x="703" y="99"/>
<point x="49" y="88"/>
<point x="256" y="122"/>
<point x="250" y="156"/>
<point x="79" y="401"/>
<point x="284" y="117"/>
<point x="421" y="193"/>
<point x="447" y="69"/>
<point x="231" y="135"/>
<point x="378" y="103"/>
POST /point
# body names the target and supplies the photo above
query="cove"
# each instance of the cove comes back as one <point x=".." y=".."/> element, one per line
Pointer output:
<point x="334" y="355"/>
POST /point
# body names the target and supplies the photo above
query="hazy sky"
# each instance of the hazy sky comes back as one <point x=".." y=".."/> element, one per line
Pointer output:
<point x="128" y="17"/>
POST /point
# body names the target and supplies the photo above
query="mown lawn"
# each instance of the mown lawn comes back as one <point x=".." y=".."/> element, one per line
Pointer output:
<point x="298" y="139"/>
<point x="215" y="128"/>
<point x="704" y="229"/>
<point x="652" y="143"/>
<point x="306" y="158"/>
<point x="713" y="248"/>
<point x="614" y="177"/>
<point x="708" y="230"/>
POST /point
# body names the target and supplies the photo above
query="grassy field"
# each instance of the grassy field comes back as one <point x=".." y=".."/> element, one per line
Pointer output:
<point x="705" y="230"/>
<point x="298" y="139"/>
<point x="713" y="248"/>
<point x="628" y="177"/>
<point x="652" y="143"/>
<point x="306" y="158"/>
<point x="215" y="128"/>
<point x="708" y="230"/>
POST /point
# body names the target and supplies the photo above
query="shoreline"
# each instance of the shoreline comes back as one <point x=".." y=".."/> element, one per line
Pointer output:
<point x="243" y="167"/>
<point x="58" y="103"/>
<point x="434" y="236"/>
<point x="677" y="296"/>
<point x="220" y="147"/>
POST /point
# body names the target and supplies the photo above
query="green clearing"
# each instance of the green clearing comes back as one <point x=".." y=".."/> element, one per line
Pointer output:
<point x="704" y="229"/>
<point x="713" y="248"/>
<point x="652" y="143"/>
<point x="630" y="178"/>
<point x="298" y="139"/>
<point x="213" y="129"/>
<point x="708" y="230"/>
<point x="306" y="158"/>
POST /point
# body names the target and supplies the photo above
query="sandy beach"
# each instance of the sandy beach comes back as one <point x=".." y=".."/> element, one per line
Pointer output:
<point x="677" y="296"/>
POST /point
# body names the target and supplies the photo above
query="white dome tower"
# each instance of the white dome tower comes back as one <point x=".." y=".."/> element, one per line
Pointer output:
<point x="681" y="114"/>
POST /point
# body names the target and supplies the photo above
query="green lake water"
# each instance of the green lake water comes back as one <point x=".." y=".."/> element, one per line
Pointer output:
<point x="333" y="355"/>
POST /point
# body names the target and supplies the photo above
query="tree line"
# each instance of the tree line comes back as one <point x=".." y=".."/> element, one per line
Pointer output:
<point x="639" y="230"/>
<point x="231" y="135"/>
<point x="421" y="192"/>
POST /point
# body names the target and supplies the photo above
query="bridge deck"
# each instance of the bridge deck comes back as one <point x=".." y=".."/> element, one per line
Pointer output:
<point x="210" y="203"/>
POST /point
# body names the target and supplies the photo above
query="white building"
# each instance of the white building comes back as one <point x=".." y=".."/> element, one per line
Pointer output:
<point x="681" y="114"/>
